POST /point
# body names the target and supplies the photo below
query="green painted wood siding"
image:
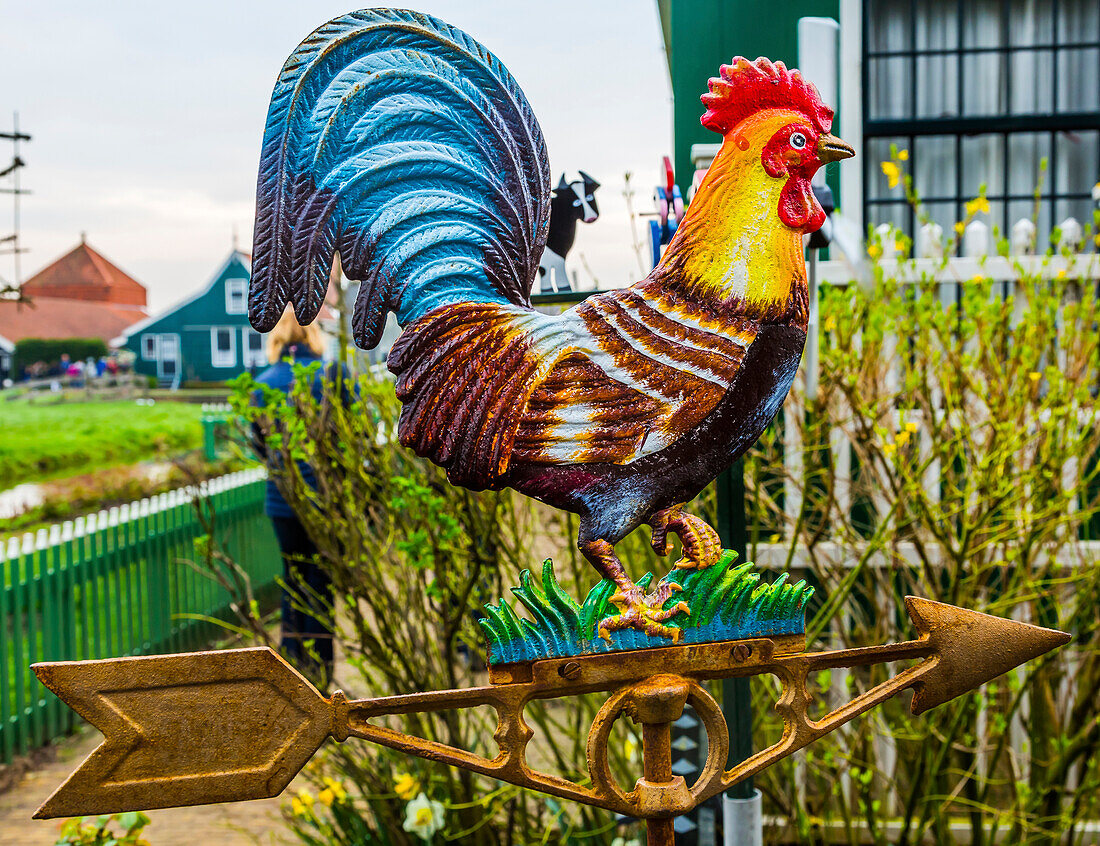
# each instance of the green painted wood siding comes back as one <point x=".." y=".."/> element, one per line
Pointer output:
<point x="193" y="322"/>
<point x="700" y="35"/>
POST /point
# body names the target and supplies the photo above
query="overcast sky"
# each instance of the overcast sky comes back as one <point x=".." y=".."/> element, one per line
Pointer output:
<point x="146" y="117"/>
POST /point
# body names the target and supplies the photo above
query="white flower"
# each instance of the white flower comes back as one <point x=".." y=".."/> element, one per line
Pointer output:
<point x="423" y="817"/>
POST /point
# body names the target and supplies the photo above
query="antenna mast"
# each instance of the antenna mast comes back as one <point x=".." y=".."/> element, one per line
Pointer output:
<point x="15" y="249"/>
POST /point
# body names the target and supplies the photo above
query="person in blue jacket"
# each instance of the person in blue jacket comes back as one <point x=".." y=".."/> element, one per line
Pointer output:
<point x="307" y="584"/>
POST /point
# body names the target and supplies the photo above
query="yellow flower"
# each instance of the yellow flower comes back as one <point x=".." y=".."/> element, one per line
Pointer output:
<point x="889" y="449"/>
<point x="875" y="251"/>
<point x="299" y="808"/>
<point x="326" y="796"/>
<point x="977" y="277"/>
<point x="893" y="174"/>
<point x="978" y="204"/>
<point x="960" y="227"/>
<point x="902" y="437"/>
<point x="338" y="792"/>
<point x="1061" y="274"/>
<point x="1034" y="377"/>
<point x="903" y="155"/>
<point x="305" y="797"/>
<point x="830" y="323"/>
<point x="911" y="427"/>
<point x="405" y="786"/>
<point x="899" y="245"/>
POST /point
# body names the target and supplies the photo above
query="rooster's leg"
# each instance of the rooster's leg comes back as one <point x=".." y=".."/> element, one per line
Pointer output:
<point x="637" y="610"/>
<point x="702" y="546"/>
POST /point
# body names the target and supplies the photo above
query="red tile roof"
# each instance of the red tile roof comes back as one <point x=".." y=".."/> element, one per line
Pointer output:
<point x="84" y="274"/>
<point x="50" y="317"/>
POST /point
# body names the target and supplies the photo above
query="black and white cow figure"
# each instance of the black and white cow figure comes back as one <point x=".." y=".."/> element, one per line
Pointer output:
<point x="569" y="202"/>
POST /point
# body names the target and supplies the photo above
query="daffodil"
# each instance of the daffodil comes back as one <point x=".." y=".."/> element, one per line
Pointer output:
<point x="1061" y="274"/>
<point x="903" y="155"/>
<point x="305" y="797"/>
<point x="1034" y="377"/>
<point x="911" y="427"/>
<point x="875" y="251"/>
<point x="960" y="228"/>
<point x="893" y="173"/>
<point x="299" y="808"/>
<point x="978" y="204"/>
<point x="889" y="449"/>
<point x="327" y="797"/>
<point x="902" y="437"/>
<point x="405" y="786"/>
<point x="423" y="817"/>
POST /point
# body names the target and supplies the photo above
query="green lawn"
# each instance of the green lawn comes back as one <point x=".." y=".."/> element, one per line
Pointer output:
<point x="39" y="442"/>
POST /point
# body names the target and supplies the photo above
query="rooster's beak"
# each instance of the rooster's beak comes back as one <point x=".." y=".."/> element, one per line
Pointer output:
<point x="832" y="149"/>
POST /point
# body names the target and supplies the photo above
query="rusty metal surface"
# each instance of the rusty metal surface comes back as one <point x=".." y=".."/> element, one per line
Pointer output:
<point x="239" y="724"/>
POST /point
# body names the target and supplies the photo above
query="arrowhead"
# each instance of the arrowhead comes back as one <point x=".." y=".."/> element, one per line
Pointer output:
<point x="186" y="729"/>
<point x="971" y="648"/>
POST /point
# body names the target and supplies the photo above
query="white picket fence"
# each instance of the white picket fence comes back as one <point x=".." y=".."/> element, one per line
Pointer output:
<point x="33" y="542"/>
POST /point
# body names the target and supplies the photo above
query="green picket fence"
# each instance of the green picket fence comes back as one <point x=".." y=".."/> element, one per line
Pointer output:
<point x="118" y="583"/>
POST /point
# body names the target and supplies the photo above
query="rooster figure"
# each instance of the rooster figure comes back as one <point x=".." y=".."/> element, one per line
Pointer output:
<point x="405" y="145"/>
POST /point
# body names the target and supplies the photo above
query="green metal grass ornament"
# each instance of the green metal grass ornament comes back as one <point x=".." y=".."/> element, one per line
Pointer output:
<point x="401" y="143"/>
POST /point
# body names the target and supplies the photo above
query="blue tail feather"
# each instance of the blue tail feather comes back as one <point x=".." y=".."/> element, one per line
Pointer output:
<point x="404" y="144"/>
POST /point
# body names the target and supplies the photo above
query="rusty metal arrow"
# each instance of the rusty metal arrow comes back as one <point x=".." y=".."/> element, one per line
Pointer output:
<point x="239" y="724"/>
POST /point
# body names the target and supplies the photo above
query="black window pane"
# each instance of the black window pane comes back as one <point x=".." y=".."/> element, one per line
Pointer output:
<point x="878" y="184"/>
<point x="937" y="86"/>
<point x="1076" y="159"/>
<point x="890" y="89"/>
<point x="895" y="214"/>
<point x="984" y="84"/>
<point x="937" y="24"/>
<point x="1032" y="82"/>
<point x="934" y="166"/>
<point x="888" y="25"/>
<point x="1030" y="22"/>
<point x="1026" y="150"/>
<point x="1079" y="79"/>
<point x="983" y="23"/>
<point x="983" y="163"/>
<point x="1078" y="21"/>
<point x="224" y="340"/>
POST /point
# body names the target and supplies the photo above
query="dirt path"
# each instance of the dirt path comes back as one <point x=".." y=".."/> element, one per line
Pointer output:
<point x="231" y="824"/>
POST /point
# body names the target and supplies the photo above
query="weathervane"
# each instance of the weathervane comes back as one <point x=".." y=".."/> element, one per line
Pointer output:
<point x="401" y="143"/>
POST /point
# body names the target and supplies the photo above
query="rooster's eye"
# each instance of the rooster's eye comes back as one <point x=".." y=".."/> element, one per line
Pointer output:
<point x="798" y="140"/>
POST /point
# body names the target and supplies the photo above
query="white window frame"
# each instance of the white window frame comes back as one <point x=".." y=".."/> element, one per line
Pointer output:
<point x="149" y="350"/>
<point x="218" y="358"/>
<point x="252" y="357"/>
<point x="234" y="289"/>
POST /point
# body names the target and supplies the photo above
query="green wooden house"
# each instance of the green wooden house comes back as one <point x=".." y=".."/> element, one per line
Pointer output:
<point x="205" y="338"/>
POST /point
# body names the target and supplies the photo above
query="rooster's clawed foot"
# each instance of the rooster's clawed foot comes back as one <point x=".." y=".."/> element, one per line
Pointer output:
<point x="644" y="612"/>
<point x="702" y="546"/>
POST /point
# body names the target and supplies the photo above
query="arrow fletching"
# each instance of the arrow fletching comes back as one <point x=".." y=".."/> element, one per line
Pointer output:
<point x="186" y="729"/>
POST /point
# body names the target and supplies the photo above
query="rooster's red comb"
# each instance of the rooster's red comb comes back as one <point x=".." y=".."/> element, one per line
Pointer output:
<point x="745" y="88"/>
